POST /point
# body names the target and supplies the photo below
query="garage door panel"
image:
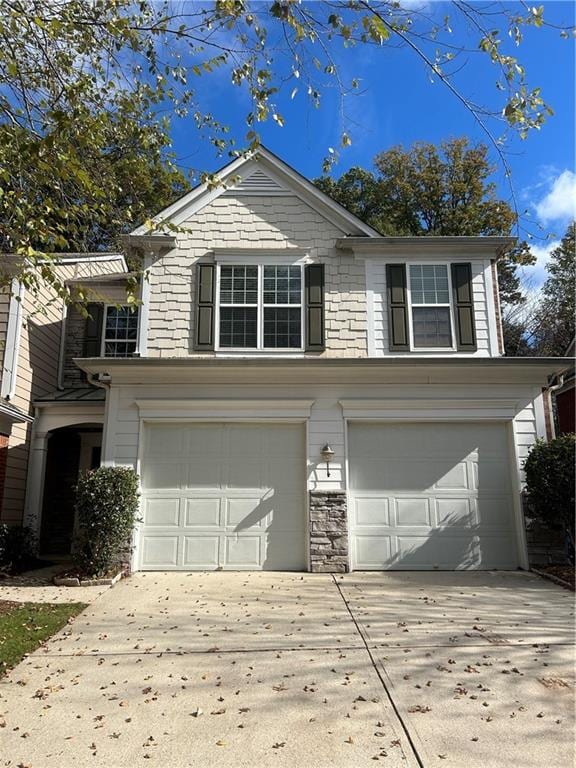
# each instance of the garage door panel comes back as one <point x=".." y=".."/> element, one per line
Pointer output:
<point x="201" y="551"/>
<point x="455" y="512"/>
<point x="162" y="512"/>
<point x="454" y="478"/>
<point x="202" y="472"/>
<point x="372" y="550"/>
<point x="202" y="513"/>
<point x="241" y="501"/>
<point x="371" y="511"/>
<point x="439" y="551"/>
<point x="413" y="512"/>
<point x="163" y="475"/>
<point x="449" y="509"/>
<point x="160" y="551"/>
<point x="245" y="513"/>
<point x="244" y="551"/>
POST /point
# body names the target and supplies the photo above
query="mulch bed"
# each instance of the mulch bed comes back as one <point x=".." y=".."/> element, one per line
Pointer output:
<point x="564" y="572"/>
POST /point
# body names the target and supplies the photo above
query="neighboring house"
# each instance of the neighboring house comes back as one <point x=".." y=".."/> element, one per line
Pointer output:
<point x="565" y="397"/>
<point x="297" y="392"/>
<point x="31" y="336"/>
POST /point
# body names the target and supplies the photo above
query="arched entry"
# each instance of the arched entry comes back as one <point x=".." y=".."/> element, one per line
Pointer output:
<point x="70" y="451"/>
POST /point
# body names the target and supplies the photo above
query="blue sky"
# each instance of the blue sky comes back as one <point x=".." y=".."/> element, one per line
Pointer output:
<point x="398" y="104"/>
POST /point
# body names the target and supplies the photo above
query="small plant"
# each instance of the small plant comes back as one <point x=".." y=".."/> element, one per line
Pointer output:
<point x="106" y="508"/>
<point x="550" y="485"/>
<point x="17" y="547"/>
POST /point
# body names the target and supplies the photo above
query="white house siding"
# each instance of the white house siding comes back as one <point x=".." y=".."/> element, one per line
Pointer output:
<point x="265" y="223"/>
<point x="326" y="423"/>
<point x="37" y="372"/>
<point x="486" y="331"/>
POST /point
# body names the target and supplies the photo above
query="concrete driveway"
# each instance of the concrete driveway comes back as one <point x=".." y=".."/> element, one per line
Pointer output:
<point x="234" y="669"/>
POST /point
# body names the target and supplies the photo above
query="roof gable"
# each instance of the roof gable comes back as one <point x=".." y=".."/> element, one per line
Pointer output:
<point x="260" y="173"/>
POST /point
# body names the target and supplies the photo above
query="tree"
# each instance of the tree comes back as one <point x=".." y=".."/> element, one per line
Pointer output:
<point x="553" y="326"/>
<point x="75" y="73"/>
<point x="105" y="188"/>
<point x="430" y="190"/>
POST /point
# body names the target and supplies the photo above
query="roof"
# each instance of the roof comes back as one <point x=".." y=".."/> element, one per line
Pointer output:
<point x="114" y="277"/>
<point x="431" y="243"/>
<point x="282" y="179"/>
<point x="13" y="414"/>
<point x="78" y="394"/>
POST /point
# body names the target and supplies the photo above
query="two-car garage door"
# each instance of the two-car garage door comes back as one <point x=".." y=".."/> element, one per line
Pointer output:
<point x="233" y="496"/>
<point x="219" y="495"/>
<point x="430" y="496"/>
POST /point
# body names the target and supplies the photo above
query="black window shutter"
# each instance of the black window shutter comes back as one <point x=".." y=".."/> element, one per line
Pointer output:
<point x="397" y="308"/>
<point x="205" y="289"/>
<point x="314" y="292"/>
<point x="93" y="330"/>
<point x="464" y="307"/>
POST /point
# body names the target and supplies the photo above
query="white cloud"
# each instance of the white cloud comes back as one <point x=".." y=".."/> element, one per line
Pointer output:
<point x="534" y="276"/>
<point x="559" y="204"/>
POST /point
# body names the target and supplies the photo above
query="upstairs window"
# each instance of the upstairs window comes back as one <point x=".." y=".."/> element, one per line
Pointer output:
<point x="260" y="307"/>
<point x="120" y="335"/>
<point x="430" y="306"/>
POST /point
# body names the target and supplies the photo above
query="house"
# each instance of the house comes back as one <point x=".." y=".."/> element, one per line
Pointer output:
<point x="297" y="392"/>
<point x="565" y="397"/>
<point x="31" y="342"/>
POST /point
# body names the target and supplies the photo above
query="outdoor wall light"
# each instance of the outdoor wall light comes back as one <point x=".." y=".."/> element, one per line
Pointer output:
<point x="327" y="455"/>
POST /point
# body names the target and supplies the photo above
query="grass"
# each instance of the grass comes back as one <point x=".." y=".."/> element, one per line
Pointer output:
<point x="25" y="626"/>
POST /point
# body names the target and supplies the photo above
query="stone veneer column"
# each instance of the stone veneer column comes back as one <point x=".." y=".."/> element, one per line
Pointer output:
<point x="328" y="532"/>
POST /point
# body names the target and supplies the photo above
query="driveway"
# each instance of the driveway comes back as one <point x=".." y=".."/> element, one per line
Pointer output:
<point x="271" y="669"/>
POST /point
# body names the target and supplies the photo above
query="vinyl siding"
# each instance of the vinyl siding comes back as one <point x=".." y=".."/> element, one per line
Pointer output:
<point x="37" y="372"/>
<point x="264" y="223"/>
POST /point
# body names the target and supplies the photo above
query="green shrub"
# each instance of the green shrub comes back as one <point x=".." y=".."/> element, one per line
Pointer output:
<point x="106" y="508"/>
<point x="17" y="547"/>
<point x="550" y="483"/>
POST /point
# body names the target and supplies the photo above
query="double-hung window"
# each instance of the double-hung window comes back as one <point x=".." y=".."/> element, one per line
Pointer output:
<point x="120" y="335"/>
<point x="430" y="306"/>
<point x="260" y="306"/>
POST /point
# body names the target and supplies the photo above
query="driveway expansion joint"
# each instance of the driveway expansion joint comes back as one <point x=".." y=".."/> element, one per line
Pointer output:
<point x="376" y="667"/>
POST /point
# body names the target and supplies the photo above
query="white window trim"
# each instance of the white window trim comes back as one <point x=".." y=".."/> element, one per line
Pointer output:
<point x="260" y="306"/>
<point x="119" y="341"/>
<point x="450" y="305"/>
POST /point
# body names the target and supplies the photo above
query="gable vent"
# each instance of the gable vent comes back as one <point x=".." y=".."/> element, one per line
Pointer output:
<point x="257" y="183"/>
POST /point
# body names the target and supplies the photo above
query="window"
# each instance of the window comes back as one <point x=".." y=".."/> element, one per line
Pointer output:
<point x="430" y="306"/>
<point x="120" y="335"/>
<point x="260" y="307"/>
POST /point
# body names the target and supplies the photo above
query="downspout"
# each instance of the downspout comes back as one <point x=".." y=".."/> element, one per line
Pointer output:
<point x="62" y="349"/>
<point x="13" y="334"/>
<point x="559" y="378"/>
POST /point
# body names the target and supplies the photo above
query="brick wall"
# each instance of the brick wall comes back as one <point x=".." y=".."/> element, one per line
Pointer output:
<point x="265" y="223"/>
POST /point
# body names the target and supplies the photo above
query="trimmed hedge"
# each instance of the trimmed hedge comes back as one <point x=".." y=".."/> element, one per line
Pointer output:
<point x="106" y="508"/>
<point x="550" y="493"/>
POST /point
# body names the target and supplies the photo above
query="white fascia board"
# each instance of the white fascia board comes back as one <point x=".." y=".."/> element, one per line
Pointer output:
<point x="202" y="196"/>
<point x="207" y="409"/>
<point x="86" y="258"/>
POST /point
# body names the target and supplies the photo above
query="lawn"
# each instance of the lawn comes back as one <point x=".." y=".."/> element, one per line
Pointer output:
<point x="25" y="626"/>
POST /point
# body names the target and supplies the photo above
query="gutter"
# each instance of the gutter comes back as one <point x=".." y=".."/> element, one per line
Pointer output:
<point x="94" y="364"/>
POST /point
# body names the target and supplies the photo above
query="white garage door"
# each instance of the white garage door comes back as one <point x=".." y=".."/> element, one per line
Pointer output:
<point x="223" y="496"/>
<point x="428" y="496"/>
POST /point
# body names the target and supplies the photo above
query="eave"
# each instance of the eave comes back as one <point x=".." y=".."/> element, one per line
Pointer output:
<point x="330" y="371"/>
<point x="450" y="246"/>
